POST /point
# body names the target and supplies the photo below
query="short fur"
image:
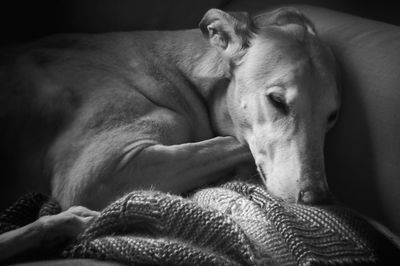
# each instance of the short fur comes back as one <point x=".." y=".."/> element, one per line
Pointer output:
<point x="101" y="115"/>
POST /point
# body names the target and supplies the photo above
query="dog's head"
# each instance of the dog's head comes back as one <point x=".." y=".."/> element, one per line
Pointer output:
<point x="282" y="98"/>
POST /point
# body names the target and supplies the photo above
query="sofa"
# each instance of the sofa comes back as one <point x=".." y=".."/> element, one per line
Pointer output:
<point x="362" y="150"/>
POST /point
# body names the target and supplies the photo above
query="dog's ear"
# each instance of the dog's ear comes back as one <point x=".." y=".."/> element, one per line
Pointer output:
<point x="230" y="33"/>
<point x="285" y="16"/>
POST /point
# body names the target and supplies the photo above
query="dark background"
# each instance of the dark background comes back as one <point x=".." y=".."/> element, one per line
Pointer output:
<point x="24" y="20"/>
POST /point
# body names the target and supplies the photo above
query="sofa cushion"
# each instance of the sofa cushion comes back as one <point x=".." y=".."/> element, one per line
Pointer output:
<point x="363" y="150"/>
<point x="369" y="9"/>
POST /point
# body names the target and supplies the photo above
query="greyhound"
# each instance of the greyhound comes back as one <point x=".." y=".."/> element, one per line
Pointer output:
<point x="101" y="115"/>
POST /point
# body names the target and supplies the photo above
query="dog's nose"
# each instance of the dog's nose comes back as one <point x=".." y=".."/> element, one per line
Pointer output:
<point x="314" y="197"/>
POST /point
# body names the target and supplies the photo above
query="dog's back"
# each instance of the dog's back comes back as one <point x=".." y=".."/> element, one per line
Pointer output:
<point x="59" y="93"/>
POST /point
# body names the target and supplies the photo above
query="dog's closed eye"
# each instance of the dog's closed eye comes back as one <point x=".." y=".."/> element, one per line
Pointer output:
<point x="278" y="102"/>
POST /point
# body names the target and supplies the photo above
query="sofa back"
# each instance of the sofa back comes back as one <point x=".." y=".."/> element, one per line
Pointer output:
<point x="363" y="150"/>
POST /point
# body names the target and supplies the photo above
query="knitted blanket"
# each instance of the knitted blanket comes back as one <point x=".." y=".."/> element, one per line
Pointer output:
<point x="238" y="223"/>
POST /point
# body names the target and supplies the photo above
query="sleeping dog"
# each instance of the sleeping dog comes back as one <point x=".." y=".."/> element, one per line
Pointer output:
<point x="101" y="115"/>
<point x="97" y="116"/>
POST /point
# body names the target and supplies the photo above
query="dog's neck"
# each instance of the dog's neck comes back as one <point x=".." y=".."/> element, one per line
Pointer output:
<point x="202" y="65"/>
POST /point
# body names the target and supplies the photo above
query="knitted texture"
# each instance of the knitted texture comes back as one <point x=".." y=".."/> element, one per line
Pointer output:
<point x="161" y="229"/>
<point x="238" y="223"/>
<point x="26" y="210"/>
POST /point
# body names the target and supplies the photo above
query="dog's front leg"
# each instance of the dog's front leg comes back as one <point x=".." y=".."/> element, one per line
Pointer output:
<point x="48" y="233"/>
<point x="95" y="182"/>
<point x="183" y="167"/>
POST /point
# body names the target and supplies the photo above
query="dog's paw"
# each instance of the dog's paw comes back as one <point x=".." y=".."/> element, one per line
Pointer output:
<point x="61" y="228"/>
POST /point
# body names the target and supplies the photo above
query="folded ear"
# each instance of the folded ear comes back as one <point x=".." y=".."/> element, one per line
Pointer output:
<point x="229" y="33"/>
<point x="284" y="16"/>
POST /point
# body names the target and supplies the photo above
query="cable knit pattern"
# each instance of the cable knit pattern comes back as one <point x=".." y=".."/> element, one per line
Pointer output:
<point x="25" y="210"/>
<point x="238" y="223"/>
<point x="165" y="229"/>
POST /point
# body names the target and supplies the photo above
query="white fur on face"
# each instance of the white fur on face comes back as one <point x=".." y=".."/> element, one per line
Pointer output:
<point x="287" y="147"/>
